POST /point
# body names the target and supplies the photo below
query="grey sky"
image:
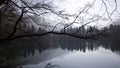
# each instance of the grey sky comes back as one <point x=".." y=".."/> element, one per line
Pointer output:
<point x="75" y="6"/>
<point x="98" y="9"/>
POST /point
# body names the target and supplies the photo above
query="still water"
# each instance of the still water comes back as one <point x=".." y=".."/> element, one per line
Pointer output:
<point x="58" y="58"/>
<point x="69" y="54"/>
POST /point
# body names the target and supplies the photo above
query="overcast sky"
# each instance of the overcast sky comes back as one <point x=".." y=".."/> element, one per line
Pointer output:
<point x="75" y="6"/>
<point x="98" y="9"/>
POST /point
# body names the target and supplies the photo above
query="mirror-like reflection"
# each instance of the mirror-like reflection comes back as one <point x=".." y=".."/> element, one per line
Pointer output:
<point x="102" y="58"/>
<point x="46" y="51"/>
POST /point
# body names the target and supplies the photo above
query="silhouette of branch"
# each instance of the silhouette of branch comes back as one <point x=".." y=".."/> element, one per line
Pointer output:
<point x="57" y="33"/>
<point x="37" y="22"/>
<point x="75" y="18"/>
<point x="49" y="65"/>
<point x="57" y="25"/>
<point x="114" y="8"/>
<point x="15" y="4"/>
<point x="106" y="10"/>
<point x="46" y="7"/>
<point x="16" y="23"/>
<point x="87" y="7"/>
<point x="83" y="26"/>
<point x="35" y="40"/>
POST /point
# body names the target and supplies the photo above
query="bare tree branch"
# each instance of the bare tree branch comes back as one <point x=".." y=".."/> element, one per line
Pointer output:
<point x="57" y="33"/>
<point x="85" y="8"/>
<point x="56" y="26"/>
<point x="83" y="26"/>
<point x="32" y="9"/>
<point x="114" y="8"/>
<point x="16" y="23"/>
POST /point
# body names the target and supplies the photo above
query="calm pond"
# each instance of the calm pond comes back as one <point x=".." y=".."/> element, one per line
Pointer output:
<point x="65" y="54"/>
<point x="59" y="58"/>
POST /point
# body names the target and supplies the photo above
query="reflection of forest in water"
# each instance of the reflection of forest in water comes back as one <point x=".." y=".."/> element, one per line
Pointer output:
<point x="28" y="46"/>
<point x="11" y="50"/>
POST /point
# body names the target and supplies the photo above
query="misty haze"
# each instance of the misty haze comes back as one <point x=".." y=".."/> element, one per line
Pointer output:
<point x="59" y="34"/>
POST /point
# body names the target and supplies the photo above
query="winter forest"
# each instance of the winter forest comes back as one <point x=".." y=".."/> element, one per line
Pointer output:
<point x="59" y="34"/>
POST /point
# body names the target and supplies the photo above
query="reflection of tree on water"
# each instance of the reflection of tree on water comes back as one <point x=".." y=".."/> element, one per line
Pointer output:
<point x="112" y="42"/>
<point x="83" y="45"/>
<point x="113" y="46"/>
<point x="26" y="46"/>
<point x="77" y="44"/>
<point x="65" y="42"/>
<point x="49" y="65"/>
<point x="11" y="50"/>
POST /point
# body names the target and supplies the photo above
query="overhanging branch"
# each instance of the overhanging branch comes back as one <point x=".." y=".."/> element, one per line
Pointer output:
<point x="47" y="33"/>
<point x="16" y="23"/>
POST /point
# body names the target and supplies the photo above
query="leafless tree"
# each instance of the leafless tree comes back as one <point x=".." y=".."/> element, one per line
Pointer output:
<point x="27" y="13"/>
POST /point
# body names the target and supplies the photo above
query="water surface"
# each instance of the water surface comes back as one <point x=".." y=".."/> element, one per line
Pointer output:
<point x="61" y="54"/>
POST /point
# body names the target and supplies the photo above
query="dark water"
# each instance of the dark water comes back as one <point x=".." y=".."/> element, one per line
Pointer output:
<point x="62" y="54"/>
<point x="101" y="58"/>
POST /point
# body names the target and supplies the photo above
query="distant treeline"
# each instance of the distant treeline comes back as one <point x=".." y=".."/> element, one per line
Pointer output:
<point x="111" y="36"/>
<point x="110" y="33"/>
